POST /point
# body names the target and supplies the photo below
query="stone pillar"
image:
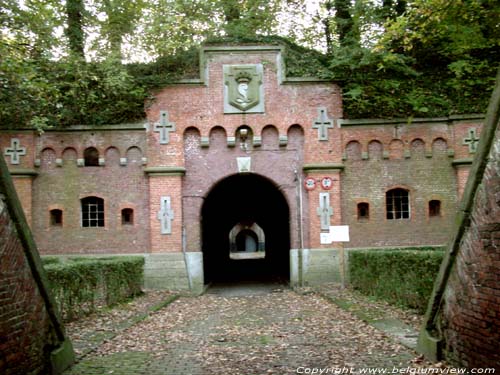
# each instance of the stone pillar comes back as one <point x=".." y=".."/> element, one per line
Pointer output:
<point x="322" y="262"/>
<point x="165" y="182"/>
<point x="23" y="182"/>
<point x="327" y="182"/>
<point x="18" y="148"/>
<point x="168" y="266"/>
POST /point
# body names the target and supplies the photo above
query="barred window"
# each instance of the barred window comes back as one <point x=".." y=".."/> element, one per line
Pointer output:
<point x="92" y="212"/>
<point x="397" y="204"/>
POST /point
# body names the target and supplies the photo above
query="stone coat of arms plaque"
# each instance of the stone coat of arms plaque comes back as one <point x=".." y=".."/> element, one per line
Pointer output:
<point x="243" y="90"/>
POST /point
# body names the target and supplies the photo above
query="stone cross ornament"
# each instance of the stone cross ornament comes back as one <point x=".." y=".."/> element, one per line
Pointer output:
<point x="165" y="215"/>
<point x="323" y="123"/>
<point x="471" y="141"/>
<point x="324" y="210"/>
<point x="164" y="127"/>
<point x="15" y="151"/>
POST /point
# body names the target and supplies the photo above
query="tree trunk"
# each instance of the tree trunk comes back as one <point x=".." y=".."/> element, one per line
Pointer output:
<point x="74" y="31"/>
<point x="345" y="23"/>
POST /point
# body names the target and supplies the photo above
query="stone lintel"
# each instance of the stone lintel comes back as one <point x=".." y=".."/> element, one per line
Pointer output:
<point x="322" y="167"/>
<point x="242" y="49"/>
<point x="466" y="161"/>
<point x="412" y="121"/>
<point x="292" y="80"/>
<point x="140" y="126"/>
<point x="165" y="171"/>
<point x="21" y="172"/>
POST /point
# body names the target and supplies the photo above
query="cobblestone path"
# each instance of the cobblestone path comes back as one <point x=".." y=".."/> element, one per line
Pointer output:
<point x="269" y="332"/>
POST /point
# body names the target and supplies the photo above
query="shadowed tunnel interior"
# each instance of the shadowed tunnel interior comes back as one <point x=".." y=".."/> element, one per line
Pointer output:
<point x="245" y="198"/>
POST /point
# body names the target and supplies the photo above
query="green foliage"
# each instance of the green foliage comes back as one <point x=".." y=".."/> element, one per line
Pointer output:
<point x="46" y="260"/>
<point x="80" y="286"/>
<point x="383" y="84"/>
<point x="418" y="58"/>
<point x="402" y="277"/>
<point x="299" y="61"/>
<point x="42" y="94"/>
<point x="166" y="69"/>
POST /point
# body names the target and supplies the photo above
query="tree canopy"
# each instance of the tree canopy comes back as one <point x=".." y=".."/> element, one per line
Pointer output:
<point x="95" y="62"/>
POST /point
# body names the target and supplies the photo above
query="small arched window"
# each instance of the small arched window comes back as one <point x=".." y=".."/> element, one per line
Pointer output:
<point x="91" y="157"/>
<point x="127" y="216"/>
<point x="397" y="204"/>
<point x="92" y="212"/>
<point x="56" y="218"/>
<point x="363" y="211"/>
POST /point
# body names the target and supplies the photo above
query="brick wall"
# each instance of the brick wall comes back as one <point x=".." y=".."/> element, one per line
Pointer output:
<point x="290" y="110"/>
<point x="24" y="324"/>
<point x="23" y="172"/>
<point x="61" y="184"/>
<point x="29" y="331"/>
<point x="426" y="157"/>
<point x="160" y="186"/>
<point x="470" y="318"/>
<point x="364" y="158"/>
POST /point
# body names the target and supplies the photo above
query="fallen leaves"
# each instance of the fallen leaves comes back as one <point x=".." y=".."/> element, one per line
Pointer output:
<point x="275" y="333"/>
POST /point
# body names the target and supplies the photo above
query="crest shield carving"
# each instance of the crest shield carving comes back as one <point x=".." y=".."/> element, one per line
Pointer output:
<point x="243" y="88"/>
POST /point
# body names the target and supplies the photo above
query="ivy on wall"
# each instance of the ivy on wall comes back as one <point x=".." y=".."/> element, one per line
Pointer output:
<point x="40" y="94"/>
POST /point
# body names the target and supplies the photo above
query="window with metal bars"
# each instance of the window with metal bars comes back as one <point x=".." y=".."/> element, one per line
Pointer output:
<point x="92" y="212"/>
<point x="397" y="204"/>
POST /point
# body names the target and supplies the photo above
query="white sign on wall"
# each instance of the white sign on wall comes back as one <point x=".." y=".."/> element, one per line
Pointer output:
<point x="337" y="233"/>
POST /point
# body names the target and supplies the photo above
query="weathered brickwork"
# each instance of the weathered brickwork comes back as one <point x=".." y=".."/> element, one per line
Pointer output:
<point x="418" y="162"/>
<point x="165" y="186"/>
<point x="299" y="135"/>
<point x="24" y="325"/>
<point x="63" y="181"/>
<point x="471" y="313"/>
<point x="27" y="336"/>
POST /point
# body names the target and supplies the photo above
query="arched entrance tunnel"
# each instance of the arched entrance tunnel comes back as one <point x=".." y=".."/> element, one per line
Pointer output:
<point x="252" y="211"/>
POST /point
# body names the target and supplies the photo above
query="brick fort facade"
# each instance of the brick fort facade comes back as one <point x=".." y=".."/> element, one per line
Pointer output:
<point x="243" y="172"/>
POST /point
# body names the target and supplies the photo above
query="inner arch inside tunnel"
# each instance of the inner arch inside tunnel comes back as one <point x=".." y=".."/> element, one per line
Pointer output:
<point x="246" y="199"/>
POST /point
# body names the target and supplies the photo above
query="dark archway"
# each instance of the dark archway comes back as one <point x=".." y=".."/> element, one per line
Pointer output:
<point x="245" y="198"/>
